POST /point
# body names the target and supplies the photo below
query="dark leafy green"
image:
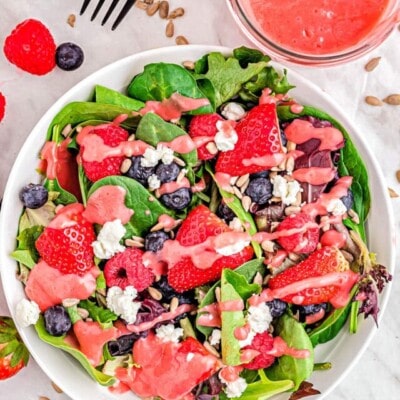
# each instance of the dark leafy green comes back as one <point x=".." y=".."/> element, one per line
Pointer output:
<point x="64" y="197"/>
<point x="26" y="252"/>
<point x="247" y="56"/>
<point x="100" y="314"/>
<point x="106" y="95"/>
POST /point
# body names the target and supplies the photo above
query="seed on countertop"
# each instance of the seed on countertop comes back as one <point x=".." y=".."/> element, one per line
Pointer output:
<point x="373" y="101"/>
<point x="398" y="175"/>
<point x="153" y="8"/>
<point x="142" y="5"/>
<point x="392" y="99"/>
<point x="149" y="1"/>
<point x="178" y="12"/>
<point x="181" y="40"/>
<point x="71" y="20"/>
<point x="56" y="388"/>
<point x="372" y="64"/>
<point x="392" y="193"/>
<point x="43" y="398"/>
<point x="164" y="9"/>
<point x="169" y="30"/>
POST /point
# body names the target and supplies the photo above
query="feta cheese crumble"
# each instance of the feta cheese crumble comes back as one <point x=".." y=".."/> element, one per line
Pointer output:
<point x="234" y="388"/>
<point x="215" y="337"/>
<point x="259" y="318"/>
<point x="287" y="191"/>
<point x="226" y="137"/>
<point x="166" y="154"/>
<point x="336" y="207"/>
<point x="107" y="243"/>
<point x="233" y="111"/>
<point x="27" y="313"/>
<point x="121" y="302"/>
<point x="154" y="182"/>
<point x="150" y="158"/>
<point x="168" y="333"/>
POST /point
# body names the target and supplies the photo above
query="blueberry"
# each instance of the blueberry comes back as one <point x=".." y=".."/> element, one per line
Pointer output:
<point x="69" y="56"/>
<point x="123" y="345"/>
<point x="303" y="311"/>
<point x="260" y="174"/>
<point x="177" y="200"/>
<point x="283" y="138"/>
<point x="168" y="292"/>
<point x="57" y="321"/>
<point x="277" y="307"/>
<point x="224" y="212"/>
<point x="139" y="173"/>
<point x="154" y="241"/>
<point x="33" y="195"/>
<point x="260" y="190"/>
<point x="348" y="200"/>
<point x="167" y="172"/>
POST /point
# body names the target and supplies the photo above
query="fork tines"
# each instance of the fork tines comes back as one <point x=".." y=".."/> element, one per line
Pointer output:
<point x="125" y="9"/>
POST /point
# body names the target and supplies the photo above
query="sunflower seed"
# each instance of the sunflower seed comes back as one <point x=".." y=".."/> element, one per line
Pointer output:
<point x="294" y="257"/>
<point x="290" y="145"/>
<point x="164" y="9"/>
<point x="43" y="398"/>
<point x="174" y="304"/>
<point x="392" y="193"/>
<point x="178" y="12"/>
<point x="154" y="293"/>
<point x="179" y="161"/>
<point x="169" y="30"/>
<point x="218" y="293"/>
<point x="181" y="40"/>
<point x="398" y="175"/>
<point x="392" y="99"/>
<point x="290" y="164"/>
<point x="268" y="246"/>
<point x="133" y="243"/>
<point x="153" y="8"/>
<point x="70" y="302"/>
<point x="188" y="64"/>
<point x="142" y="5"/>
<point x="138" y="239"/>
<point x="66" y="130"/>
<point x="131" y="137"/>
<point x="83" y="313"/>
<point x="246" y="202"/>
<point x="126" y="164"/>
<point x="211" y="349"/>
<point x="373" y="101"/>
<point x="212" y="148"/>
<point x="233" y="180"/>
<point x="353" y="216"/>
<point x="245" y="186"/>
<point x="56" y="388"/>
<point x="372" y="64"/>
<point x="242" y="180"/>
<point x="237" y="192"/>
<point x="258" y="279"/>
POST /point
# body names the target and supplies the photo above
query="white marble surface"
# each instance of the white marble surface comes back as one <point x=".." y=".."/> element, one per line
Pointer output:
<point x="377" y="375"/>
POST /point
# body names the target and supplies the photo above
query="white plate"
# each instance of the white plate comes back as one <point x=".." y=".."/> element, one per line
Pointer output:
<point x="343" y="352"/>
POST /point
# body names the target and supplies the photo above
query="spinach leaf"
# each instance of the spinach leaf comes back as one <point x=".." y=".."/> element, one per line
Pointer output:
<point x="152" y="129"/>
<point x="26" y="252"/>
<point x="160" y="81"/>
<point x="106" y="95"/>
<point x="64" y="197"/>
<point x="248" y="270"/>
<point x="350" y="163"/>
<point x="240" y="283"/>
<point x="84" y="184"/>
<point x="102" y="315"/>
<point x="146" y="212"/>
<point x="286" y="367"/>
<point x="80" y="111"/>
<point x="227" y="76"/>
<point x="60" y="343"/>
<point x="245" y="55"/>
<point x="331" y="325"/>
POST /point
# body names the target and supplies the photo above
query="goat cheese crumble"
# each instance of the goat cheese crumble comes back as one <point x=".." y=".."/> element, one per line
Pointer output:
<point x="168" y="333"/>
<point x="215" y="337"/>
<point x="336" y="207"/>
<point x="107" y="243"/>
<point x="121" y="302"/>
<point x="154" y="182"/>
<point x="27" y="313"/>
<point x="233" y="111"/>
<point x="287" y="191"/>
<point x="234" y="388"/>
<point x="226" y="137"/>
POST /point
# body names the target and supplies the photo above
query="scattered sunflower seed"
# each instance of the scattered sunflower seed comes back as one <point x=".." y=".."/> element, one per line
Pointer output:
<point x="142" y="5"/>
<point x="153" y="8"/>
<point x="169" y="30"/>
<point x="392" y="193"/>
<point x="181" y="40"/>
<point x="56" y="388"/>
<point x="372" y="64"/>
<point x="392" y="99"/>
<point x="398" y="175"/>
<point x="71" y="20"/>
<point x="164" y="9"/>
<point x="178" y="12"/>
<point x="43" y="398"/>
<point x="373" y="101"/>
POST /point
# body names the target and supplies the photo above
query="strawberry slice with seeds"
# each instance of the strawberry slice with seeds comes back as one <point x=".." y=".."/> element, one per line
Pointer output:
<point x="321" y="262"/>
<point x="66" y="244"/>
<point x="199" y="225"/>
<point x="204" y="125"/>
<point x="112" y="136"/>
<point x="259" y="141"/>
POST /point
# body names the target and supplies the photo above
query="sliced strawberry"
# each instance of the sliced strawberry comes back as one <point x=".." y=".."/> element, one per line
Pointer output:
<point x="127" y="269"/>
<point x="204" y="125"/>
<point x="258" y="136"/>
<point x="66" y="244"/>
<point x="112" y="136"/>
<point x="304" y="241"/>
<point x="13" y="353"/>
<point x="199" y="225"/>
<point x="263" y="343"/>
<point x="323" y="261"/>
<point x="2" y="106"/>
<point x="31" y="47"/>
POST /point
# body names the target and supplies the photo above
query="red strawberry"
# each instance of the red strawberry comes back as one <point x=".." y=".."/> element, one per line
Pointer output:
<point x="112" y="136"/>
<point x="262" y="342"/>
<point x="303" y="242"/>
<point x="321" y="262"/>
<point x="204" y="125"/>
<point x="2" y="106"/>
<point x="258" y="135"/>
<point x="66" y="244"/>
<point x="31" y="47"/>
<point x="200" y="224"/>
<point x="13" y="353"/>
<point x="127" y="269"/>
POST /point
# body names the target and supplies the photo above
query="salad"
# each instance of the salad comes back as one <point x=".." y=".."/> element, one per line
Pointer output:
<point x="197" y="235"/>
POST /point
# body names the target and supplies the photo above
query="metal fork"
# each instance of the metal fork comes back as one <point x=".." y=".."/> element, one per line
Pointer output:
<point x="125" y="9"/>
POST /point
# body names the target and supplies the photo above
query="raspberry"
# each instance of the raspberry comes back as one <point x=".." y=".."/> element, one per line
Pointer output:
<point x="127" y="269"/>
<point x="262" y="342"/>
<point x="2" y="106"/>
<point x="31" y="47"/>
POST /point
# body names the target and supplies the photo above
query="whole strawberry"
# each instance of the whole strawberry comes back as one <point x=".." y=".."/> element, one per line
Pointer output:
<point x="13" y="353"/>
<point x="30" y="46"/>
<point x="66" y="243"/>
<point x="112" y="136"/>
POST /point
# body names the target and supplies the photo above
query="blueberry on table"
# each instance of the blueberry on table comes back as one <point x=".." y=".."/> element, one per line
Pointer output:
<point x="177" y="200"/>
<point x="33" y="195"/>
<point x="138" y="172"/>
<point x="57" y="321"/>
<point x="69" y="56"/>
<point x="259" y="190"/>
<point x="154" y="241"/>
<point x="167" y="172"/>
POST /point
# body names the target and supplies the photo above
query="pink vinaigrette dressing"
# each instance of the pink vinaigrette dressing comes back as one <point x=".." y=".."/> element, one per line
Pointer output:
<point x="315" y="26"/>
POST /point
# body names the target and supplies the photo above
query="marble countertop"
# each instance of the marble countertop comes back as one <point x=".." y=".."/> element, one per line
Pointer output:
<point x="377" y="374"/>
